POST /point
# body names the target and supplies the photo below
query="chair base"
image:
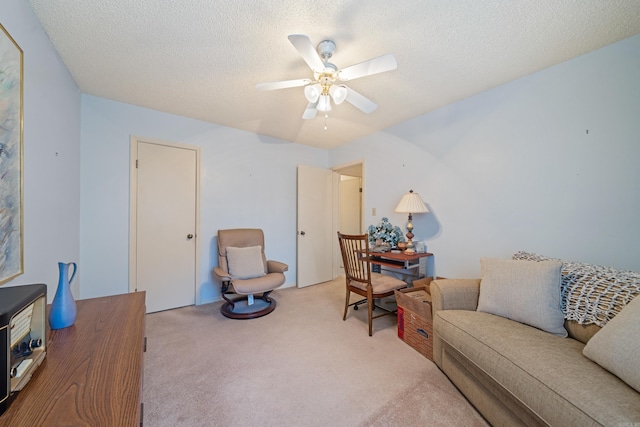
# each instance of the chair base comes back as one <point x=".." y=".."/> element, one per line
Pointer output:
<point x="362" y="301"/>
<point x="375" y="301"/>
<point x="239" y="309"/>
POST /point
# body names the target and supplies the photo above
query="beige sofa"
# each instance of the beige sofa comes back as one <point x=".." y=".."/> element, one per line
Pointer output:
<point x="516" y="374"/>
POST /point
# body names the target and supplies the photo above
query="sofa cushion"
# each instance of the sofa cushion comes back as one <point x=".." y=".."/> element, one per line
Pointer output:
<point x="616" y="346"/>
<point x="246" y="262"/>
<point x="582" y="333"/>
<point x="547" y="373"/>
<point x="525" y="291"/>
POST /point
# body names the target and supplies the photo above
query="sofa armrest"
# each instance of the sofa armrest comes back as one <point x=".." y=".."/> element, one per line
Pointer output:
<point x="455" y="294"/>
<point x="450" y="294"/>
<point x="276" y="267"/>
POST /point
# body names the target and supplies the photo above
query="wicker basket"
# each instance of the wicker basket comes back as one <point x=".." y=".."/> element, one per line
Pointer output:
<point x="414" y="319"/>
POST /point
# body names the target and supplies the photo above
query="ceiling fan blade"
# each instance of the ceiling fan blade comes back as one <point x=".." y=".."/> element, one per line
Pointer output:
<point x="283" y="84"/>
<point x="311" y="111"/>
<point x="359" y="101"/>
<point x="304" y="46"/>
<point x="376" y="65"/>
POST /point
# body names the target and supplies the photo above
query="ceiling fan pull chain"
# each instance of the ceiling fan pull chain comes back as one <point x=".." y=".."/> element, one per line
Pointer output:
<point x="326" y="116"/>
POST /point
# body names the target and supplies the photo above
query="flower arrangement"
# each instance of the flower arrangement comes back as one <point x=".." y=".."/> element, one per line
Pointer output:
<point x="385" y="232"/>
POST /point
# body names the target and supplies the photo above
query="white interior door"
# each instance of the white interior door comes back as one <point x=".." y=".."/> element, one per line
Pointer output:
<point x="315" y="229"/>
<point x="165" y="254"/>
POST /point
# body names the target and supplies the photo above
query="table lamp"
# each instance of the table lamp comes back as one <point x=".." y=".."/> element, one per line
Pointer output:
<point x="411" y="203"/>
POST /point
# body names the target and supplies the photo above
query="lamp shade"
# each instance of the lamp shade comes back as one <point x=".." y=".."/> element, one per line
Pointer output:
<point x="338" y="93"/>
<point x="324" y="103"/>
<point x="312" y="92"/>
<point x="411" y="203"/>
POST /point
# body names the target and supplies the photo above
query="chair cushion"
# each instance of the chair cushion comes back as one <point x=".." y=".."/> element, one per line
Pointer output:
<point x="381" y="283"/>
<point x="259" y="284"/>
<point x="524" y="291"/>
<point x="616" y="346"/>
<point x="245" y="263"/>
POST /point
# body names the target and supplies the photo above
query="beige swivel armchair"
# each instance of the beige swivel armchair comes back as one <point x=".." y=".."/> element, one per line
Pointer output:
<point x="244" y="270"/>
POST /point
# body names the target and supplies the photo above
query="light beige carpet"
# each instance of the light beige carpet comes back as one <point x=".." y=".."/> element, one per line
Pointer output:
<point x="299" y="366"/>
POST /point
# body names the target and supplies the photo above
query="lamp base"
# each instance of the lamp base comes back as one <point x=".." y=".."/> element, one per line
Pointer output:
<point x="410" y="236"/>
<point x="410" y="248"/>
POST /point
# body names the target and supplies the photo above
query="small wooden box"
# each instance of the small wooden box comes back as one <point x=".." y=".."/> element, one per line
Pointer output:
<point x="414" y="319"/>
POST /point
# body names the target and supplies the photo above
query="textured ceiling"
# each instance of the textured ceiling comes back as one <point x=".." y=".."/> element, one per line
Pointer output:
<point x="203" y="58"/>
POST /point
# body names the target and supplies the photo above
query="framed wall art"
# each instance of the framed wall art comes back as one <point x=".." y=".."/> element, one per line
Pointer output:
<point x="11" y="134"/>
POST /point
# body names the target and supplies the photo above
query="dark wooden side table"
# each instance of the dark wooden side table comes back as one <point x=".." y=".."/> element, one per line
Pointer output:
<point x="92" y="373"/>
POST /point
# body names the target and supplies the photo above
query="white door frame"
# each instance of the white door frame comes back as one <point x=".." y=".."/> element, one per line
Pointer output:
<point x="133" y="209"/>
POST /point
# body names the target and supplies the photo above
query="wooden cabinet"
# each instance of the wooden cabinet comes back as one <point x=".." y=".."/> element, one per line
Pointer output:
<point x="92" y="373"/>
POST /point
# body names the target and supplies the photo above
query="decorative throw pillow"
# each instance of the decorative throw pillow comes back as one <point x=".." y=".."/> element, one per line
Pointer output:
<point x="245" y="263"/>
<point x="524" y="291"/>
<point x="591" y="293"/>
<point x="616" y="347"/>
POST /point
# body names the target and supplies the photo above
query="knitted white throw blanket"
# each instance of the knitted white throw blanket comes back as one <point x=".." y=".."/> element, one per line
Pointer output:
<point x="592" y="293"/>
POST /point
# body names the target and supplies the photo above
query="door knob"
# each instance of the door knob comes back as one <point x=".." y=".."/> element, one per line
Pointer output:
<point x="302" y="233"/>
<point x="189" y="236"/>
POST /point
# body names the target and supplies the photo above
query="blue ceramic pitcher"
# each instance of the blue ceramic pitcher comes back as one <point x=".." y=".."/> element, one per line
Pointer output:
<point x="63" y="308"/>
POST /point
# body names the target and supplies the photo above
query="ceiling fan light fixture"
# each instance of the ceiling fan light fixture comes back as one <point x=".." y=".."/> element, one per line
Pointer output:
<point x="324" y="103"/>
<point x="312" y="92"/>
<point x="338" y="93"/>
<point x="324" y="87"/>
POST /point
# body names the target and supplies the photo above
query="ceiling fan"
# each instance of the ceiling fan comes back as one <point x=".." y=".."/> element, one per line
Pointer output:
<point x="325" y="85"/>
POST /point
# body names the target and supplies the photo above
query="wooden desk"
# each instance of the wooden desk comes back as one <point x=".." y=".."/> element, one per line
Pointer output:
<point x="407" y="264"/>
<point x="92" y="373"/>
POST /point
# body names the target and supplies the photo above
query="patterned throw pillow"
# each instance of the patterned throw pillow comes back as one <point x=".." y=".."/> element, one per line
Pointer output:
<point x="591" y="294"/>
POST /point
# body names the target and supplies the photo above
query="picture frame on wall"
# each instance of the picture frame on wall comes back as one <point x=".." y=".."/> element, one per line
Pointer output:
<point x="11" y="162"/>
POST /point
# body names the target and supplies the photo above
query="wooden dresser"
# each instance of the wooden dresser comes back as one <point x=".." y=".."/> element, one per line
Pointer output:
<point x="92" y="373"/>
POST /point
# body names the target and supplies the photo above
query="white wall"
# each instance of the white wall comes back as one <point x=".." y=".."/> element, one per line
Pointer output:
<point x="51" y="153"/>
<point x="514" y="168"/>
<point x="247" y="180"/>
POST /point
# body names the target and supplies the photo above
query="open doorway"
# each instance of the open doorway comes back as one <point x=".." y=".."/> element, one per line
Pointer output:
<point x="350" y="205"/>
